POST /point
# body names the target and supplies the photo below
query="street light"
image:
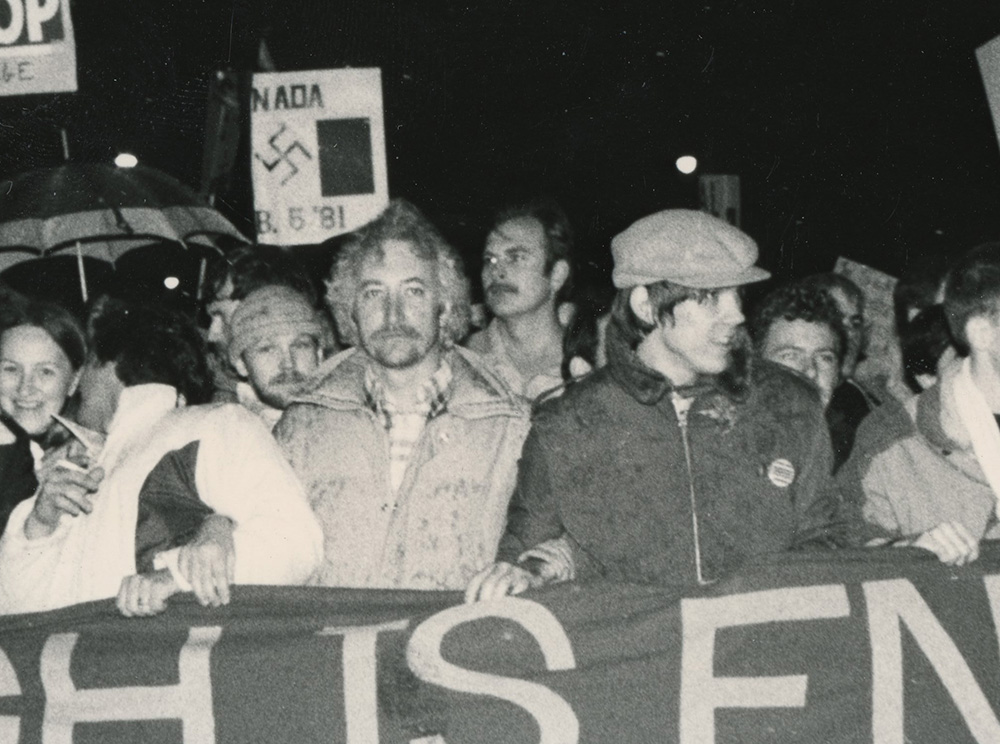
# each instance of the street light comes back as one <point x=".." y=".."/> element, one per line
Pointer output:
<point x="126" y="160"/>
<point x="687" y="164"/>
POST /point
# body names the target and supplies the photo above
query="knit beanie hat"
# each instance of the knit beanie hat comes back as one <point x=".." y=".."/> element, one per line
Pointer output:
<point x="269" y="310"/>
<point x="686" y="247"/>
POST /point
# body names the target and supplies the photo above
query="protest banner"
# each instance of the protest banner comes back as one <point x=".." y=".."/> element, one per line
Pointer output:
<point x="885" y="645"/>
<point x="37" y="50"/>
<point x="318" y="140"/>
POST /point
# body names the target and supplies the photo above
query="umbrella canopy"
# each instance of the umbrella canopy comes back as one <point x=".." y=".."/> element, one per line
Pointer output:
<point x="106" y="209"/>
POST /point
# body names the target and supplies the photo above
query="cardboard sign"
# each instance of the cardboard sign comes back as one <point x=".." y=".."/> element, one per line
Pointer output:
<point x="882" y="368"/>
<point x="318" y="153"/>
<point x="989" y="65"/>
<point x="37" y="51"/>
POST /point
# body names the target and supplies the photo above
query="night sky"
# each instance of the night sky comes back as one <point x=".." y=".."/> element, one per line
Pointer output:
<point x="859" y="129"/>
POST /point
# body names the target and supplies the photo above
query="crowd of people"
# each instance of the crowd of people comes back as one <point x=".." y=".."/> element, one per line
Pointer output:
<point x="374" y="438"/>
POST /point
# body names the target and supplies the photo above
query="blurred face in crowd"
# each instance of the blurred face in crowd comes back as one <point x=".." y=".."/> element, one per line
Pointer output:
<point x="100" y="391"/>
<point x="398" y="306"/>
<point x="279" y="366"/>
<point x="220" y="311"/>
<point x="697" y="340"/>
<point x="853" y="314"/>
<point x="808" y="348"/>
<point x="36" y="377"/>
<point x="514" y="277"/>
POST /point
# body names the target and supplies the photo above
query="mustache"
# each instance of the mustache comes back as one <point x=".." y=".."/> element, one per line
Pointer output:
<point x="288" y="378"/>
<point x="501" y="287"/>
<point x="396" y="331"/>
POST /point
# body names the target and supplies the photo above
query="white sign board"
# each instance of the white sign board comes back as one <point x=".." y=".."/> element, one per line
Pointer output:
<point x="318" y="153"/>
<point x="37" y="51"/>
<point x="989" y="65"/>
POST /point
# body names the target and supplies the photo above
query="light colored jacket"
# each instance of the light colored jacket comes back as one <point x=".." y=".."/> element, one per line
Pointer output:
<point x="444" y="522"/>
<point x="913" y="468"/>
<point x="238" y="471"/>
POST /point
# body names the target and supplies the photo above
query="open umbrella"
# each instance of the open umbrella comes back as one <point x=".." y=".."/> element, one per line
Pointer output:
<point x="102" y="211"/>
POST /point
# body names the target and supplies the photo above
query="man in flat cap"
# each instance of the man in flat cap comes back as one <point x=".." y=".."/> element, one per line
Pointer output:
<point x="680" y="459"/>
<point x="276" y="341"/>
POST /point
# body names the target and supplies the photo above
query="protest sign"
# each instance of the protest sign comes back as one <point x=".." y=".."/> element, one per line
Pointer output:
<point x="37" y="51"/>
<point x="318" y="153"/>
<point x="884" y="645"/>
<point x="881" y="369"/>
<point x="988" y="56"/>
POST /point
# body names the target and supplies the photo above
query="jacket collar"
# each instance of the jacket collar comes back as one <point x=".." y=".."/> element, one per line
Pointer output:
<point x="647" y="385"/>
<point x="475" y="392"/>
<point x="937" y="415"/>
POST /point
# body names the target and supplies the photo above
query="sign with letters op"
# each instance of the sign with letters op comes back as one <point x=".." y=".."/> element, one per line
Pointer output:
<point x="37" y="51"/>
<point x="318" y="153"/>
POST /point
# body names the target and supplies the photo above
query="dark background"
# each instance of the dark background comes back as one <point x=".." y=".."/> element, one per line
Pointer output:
<point x="857" y="128"/>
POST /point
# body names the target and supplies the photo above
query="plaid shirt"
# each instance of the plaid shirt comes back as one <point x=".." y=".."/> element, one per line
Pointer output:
<point x="405" y="424"/>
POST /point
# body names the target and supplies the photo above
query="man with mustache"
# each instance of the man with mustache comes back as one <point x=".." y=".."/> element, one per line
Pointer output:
<point x="526" y="273"/>
<point x="678" y="460"/>
<point x="408" y="445"/>
<point x="277" y="340"/>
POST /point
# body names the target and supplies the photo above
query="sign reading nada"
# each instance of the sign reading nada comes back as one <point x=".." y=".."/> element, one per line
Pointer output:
<point x="318" y="153"/>
<point x="37" y="53"/>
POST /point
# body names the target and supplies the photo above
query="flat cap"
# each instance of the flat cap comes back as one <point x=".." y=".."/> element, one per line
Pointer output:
<point x="685" y="247"/>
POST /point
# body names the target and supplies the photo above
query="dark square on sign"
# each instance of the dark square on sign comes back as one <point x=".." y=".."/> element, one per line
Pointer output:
<point x="345" y="157"/>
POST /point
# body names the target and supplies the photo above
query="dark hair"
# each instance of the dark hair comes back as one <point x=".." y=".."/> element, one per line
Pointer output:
<point x="798" y="302"/>
<point x="972" y="289"/>
<point x="254" y="266"/>
<point x="151" y="345"/>
<point x="923" y="340"/>
<point x="559" y="238"/>
<point x="403" y="222"/>
<point x="664" y="297"/>
<point x="833" y="280"/>
<point x="54" y="319"/>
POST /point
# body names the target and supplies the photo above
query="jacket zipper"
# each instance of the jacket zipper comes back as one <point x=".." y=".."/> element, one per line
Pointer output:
<point x="699" y="575"/>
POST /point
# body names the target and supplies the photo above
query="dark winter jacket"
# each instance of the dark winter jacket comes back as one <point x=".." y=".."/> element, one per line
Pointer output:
<point x="643" y="498"/>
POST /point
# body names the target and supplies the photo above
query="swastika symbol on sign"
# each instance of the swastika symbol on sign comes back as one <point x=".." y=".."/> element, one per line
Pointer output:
<point x="283" y="154"/>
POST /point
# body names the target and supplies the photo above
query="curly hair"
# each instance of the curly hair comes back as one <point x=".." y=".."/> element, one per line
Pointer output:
<point x="799" y="301"/>
<point x="252" y="267"/>
<point x="403" y="222"/>
<point x="151" y="345"/>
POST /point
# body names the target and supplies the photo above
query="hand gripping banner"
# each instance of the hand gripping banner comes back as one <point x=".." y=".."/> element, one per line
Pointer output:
<point x="882" y="646"/>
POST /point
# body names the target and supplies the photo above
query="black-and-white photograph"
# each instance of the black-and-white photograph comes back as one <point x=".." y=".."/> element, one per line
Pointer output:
<point x="465" y="372"/>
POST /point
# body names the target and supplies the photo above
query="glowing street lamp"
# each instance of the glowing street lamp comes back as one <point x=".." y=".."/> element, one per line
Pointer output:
<point x="171" y="282"/>
<point x="687" y="164"/>
<point x="126" y="160"/>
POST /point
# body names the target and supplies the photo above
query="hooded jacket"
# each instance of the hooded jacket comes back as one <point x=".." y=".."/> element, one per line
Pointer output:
<point x="443" y="523"/>
<point x="644" y="494"/>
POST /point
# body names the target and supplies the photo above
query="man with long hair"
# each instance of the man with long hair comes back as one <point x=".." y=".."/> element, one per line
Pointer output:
<point x="680" y="459"/>
<point x="408" y="445"/>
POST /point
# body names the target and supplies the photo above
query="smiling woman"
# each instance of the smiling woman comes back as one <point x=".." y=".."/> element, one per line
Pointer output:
<point x="42" y="349"/>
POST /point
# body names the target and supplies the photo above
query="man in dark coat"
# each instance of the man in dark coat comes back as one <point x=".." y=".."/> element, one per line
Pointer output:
<point x="678" y="461"/>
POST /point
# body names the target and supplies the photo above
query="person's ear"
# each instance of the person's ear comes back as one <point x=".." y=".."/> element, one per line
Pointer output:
<point x="558" y="275"/>
<point x="981" y="333"/>
<point x="638" y="300"/>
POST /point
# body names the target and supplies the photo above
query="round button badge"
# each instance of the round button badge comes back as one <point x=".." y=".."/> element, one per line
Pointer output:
<point x="781" y="473"/>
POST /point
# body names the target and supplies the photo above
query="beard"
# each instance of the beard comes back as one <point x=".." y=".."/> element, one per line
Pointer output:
<point x="398" y="346"/>
<point x="283" y="388"/>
